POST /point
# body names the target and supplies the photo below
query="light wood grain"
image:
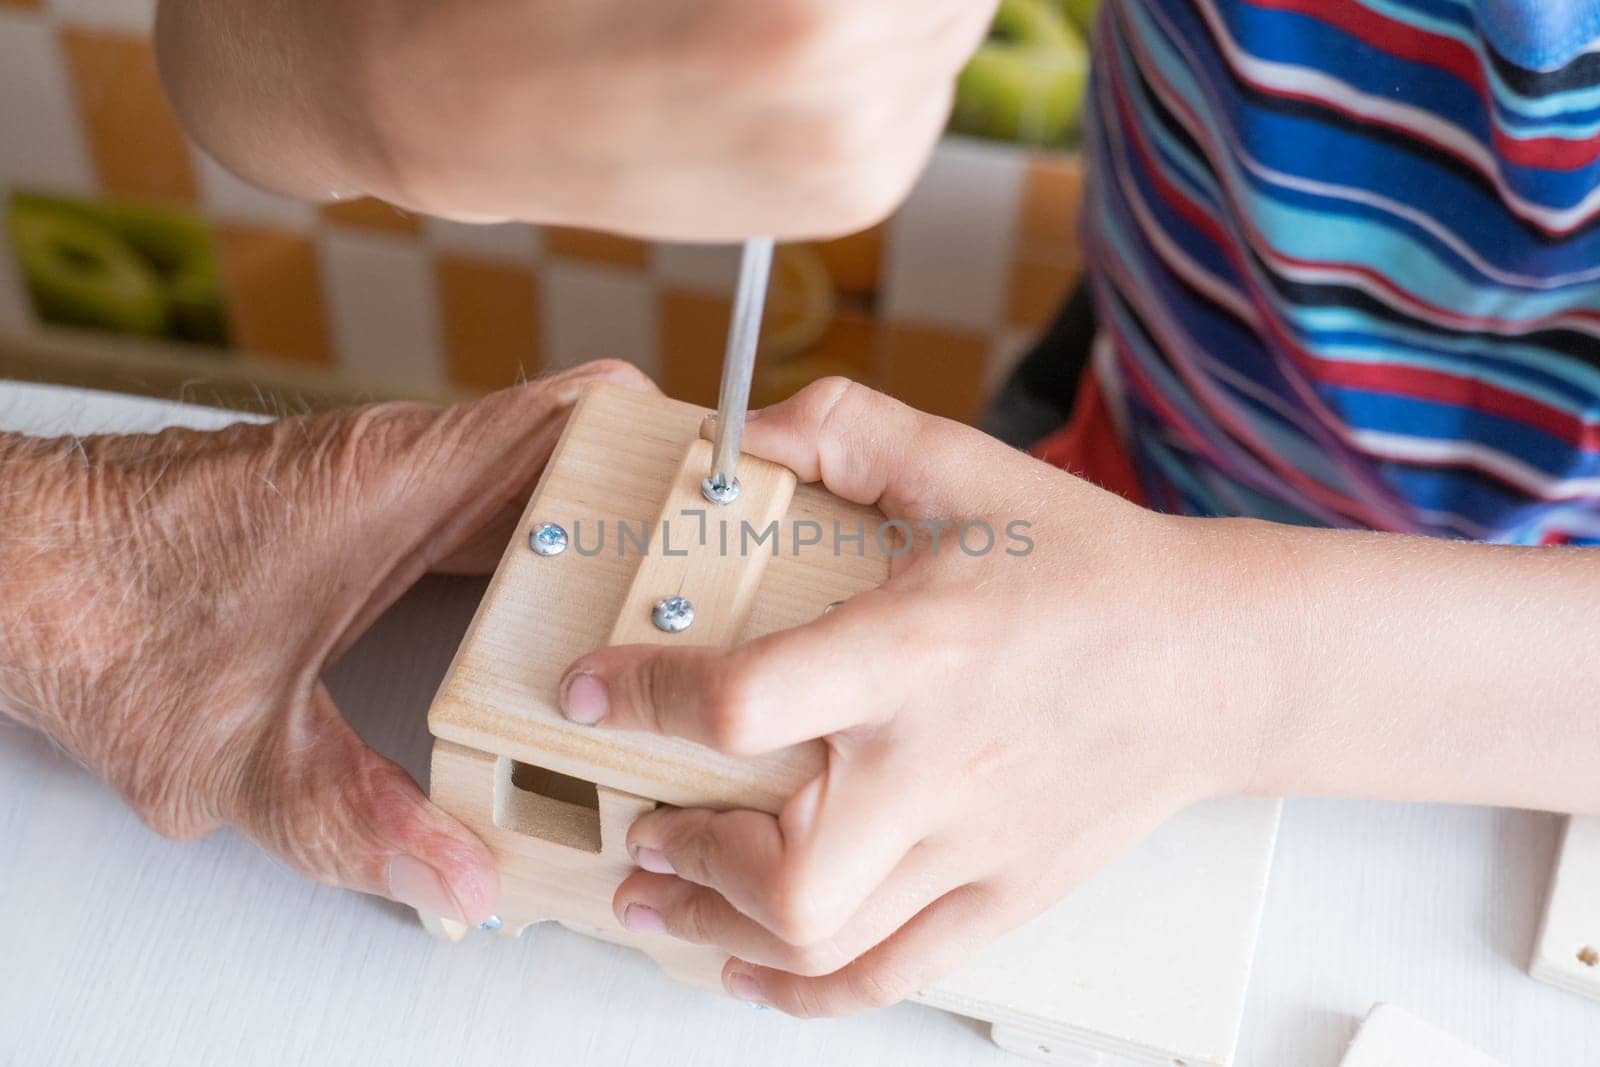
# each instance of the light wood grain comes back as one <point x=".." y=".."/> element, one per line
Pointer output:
<point x="1148" y="961"/>
<point x="710" y="561"/>
<point x="613" y="467"/>
<point x="1567" y="953"/>
<point x="1391" y="1037"/>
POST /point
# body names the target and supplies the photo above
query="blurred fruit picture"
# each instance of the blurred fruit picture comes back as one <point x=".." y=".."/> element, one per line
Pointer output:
<point x="1026" y="83"/>
<point x="123" y="268"/>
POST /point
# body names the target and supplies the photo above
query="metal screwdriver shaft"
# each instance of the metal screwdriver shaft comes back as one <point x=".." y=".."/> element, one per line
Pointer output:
<point x="738" y="368"/>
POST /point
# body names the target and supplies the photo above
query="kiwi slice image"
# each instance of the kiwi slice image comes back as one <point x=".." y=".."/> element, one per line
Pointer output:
<point x="79" y="272"/>
<point x="195" y="308"/>
<point x="1026" y="82"/>
<point x="180" y="247"/>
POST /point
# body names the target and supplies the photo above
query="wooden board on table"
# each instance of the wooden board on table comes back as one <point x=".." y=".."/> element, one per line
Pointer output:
<point x="1567" y="953"/>
<point x="1391" y="1037"/>
<point x="1146" y="963"/>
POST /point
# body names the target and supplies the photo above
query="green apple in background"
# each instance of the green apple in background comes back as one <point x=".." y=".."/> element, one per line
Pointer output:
<point x="80" y="272"/>
<point x="1026" y="82"/>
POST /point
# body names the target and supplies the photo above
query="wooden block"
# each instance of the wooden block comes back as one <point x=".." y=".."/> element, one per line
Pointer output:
<point x="608" y="479"/>
<point x="1146" y="963"/>
<point x="1391" y="1037"/>
<point x="706" y="561"/>
<point x="1567" y="953"/>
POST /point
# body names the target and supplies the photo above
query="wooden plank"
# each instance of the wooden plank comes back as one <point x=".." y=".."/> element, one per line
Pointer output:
<point x="611" y="472"/>
<point x="1391" y="1037"/>
<point x="1567" y="953"/>
<point x="711" y="560"/>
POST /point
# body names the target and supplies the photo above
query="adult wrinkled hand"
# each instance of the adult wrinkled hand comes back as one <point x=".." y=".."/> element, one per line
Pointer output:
<point x="699" y="120"/>
<point x="171" y="602"/>
<point x="1007" y="713"/>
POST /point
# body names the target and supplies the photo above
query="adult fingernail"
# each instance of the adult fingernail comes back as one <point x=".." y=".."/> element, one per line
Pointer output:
<point x="653" y="860"/>
<point x="583" y="699"/>
<point x="643" y="920"/>
<point x="417" y="885"/>
<point x="746" y="988"/>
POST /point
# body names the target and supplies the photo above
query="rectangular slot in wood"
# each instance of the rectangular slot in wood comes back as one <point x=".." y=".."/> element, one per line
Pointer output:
<point x="538" y="802"/>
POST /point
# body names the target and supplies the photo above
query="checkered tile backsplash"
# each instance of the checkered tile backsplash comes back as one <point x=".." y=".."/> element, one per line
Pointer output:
<point x="934" y="305"/>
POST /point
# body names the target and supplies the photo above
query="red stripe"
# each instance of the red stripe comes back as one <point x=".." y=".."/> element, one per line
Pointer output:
<point x="1471" y="393"/>
<point x="1422" y="383"/>
<point x="1327" y="497"/>
<point x="1413" y="381"/>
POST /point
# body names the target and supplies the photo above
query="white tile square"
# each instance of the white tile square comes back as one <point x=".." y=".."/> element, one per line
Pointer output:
<point x="696" y="268"/>
<point x="592" y="312"/>
<point x="383" y="308"/>
<point x="138" y="16"/>
<point x="949" y="246"/>
<point x="228" y="198"/>
<point x="510" y="242"/>
<point x="41" y="144"/>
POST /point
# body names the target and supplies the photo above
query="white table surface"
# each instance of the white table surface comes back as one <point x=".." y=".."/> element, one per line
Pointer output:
<point x="117" y="947"/>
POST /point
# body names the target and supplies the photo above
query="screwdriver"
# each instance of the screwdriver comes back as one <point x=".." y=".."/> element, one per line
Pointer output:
<point x="721" y="486"/>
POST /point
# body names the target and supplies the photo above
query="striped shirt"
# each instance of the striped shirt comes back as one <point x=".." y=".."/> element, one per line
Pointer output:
<point x="1346" y="260"/>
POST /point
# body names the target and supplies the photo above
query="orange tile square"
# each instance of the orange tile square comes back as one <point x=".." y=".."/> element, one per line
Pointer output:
<point x="490" y="318"/>
<point x="369" y="213"/>
<point x="1037" y="290"/>
<point x="846" y="348"/>
<point x="694" y="331"/>
<point x="855" y="262"/>
<point x="274" y="293"/>
<point x="935" y="369"/>
<point x="138" y="149"/>
<point x="596" y="247"/>
<point x="1052" y="195"/>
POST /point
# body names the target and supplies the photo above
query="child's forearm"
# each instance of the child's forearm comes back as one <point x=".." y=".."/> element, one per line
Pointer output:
<point x="1420" y="669"/>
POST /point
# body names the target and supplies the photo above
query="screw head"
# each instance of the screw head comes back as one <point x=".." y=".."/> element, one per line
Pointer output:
<point x="548" y="539"/>
<point x="672" y="614"/>
<point x="720" y="492"/>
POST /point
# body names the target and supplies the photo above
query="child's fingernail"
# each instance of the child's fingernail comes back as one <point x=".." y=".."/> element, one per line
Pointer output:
<point x="642" y="919"/>
<point x="746" y="988"/>
<point x="415" y="884"/>
<point x="653" y="860"/>
<point x="583" y="699"/>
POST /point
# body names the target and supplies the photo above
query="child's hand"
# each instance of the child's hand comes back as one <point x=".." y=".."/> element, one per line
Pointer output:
<point x="997" y="726"/>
